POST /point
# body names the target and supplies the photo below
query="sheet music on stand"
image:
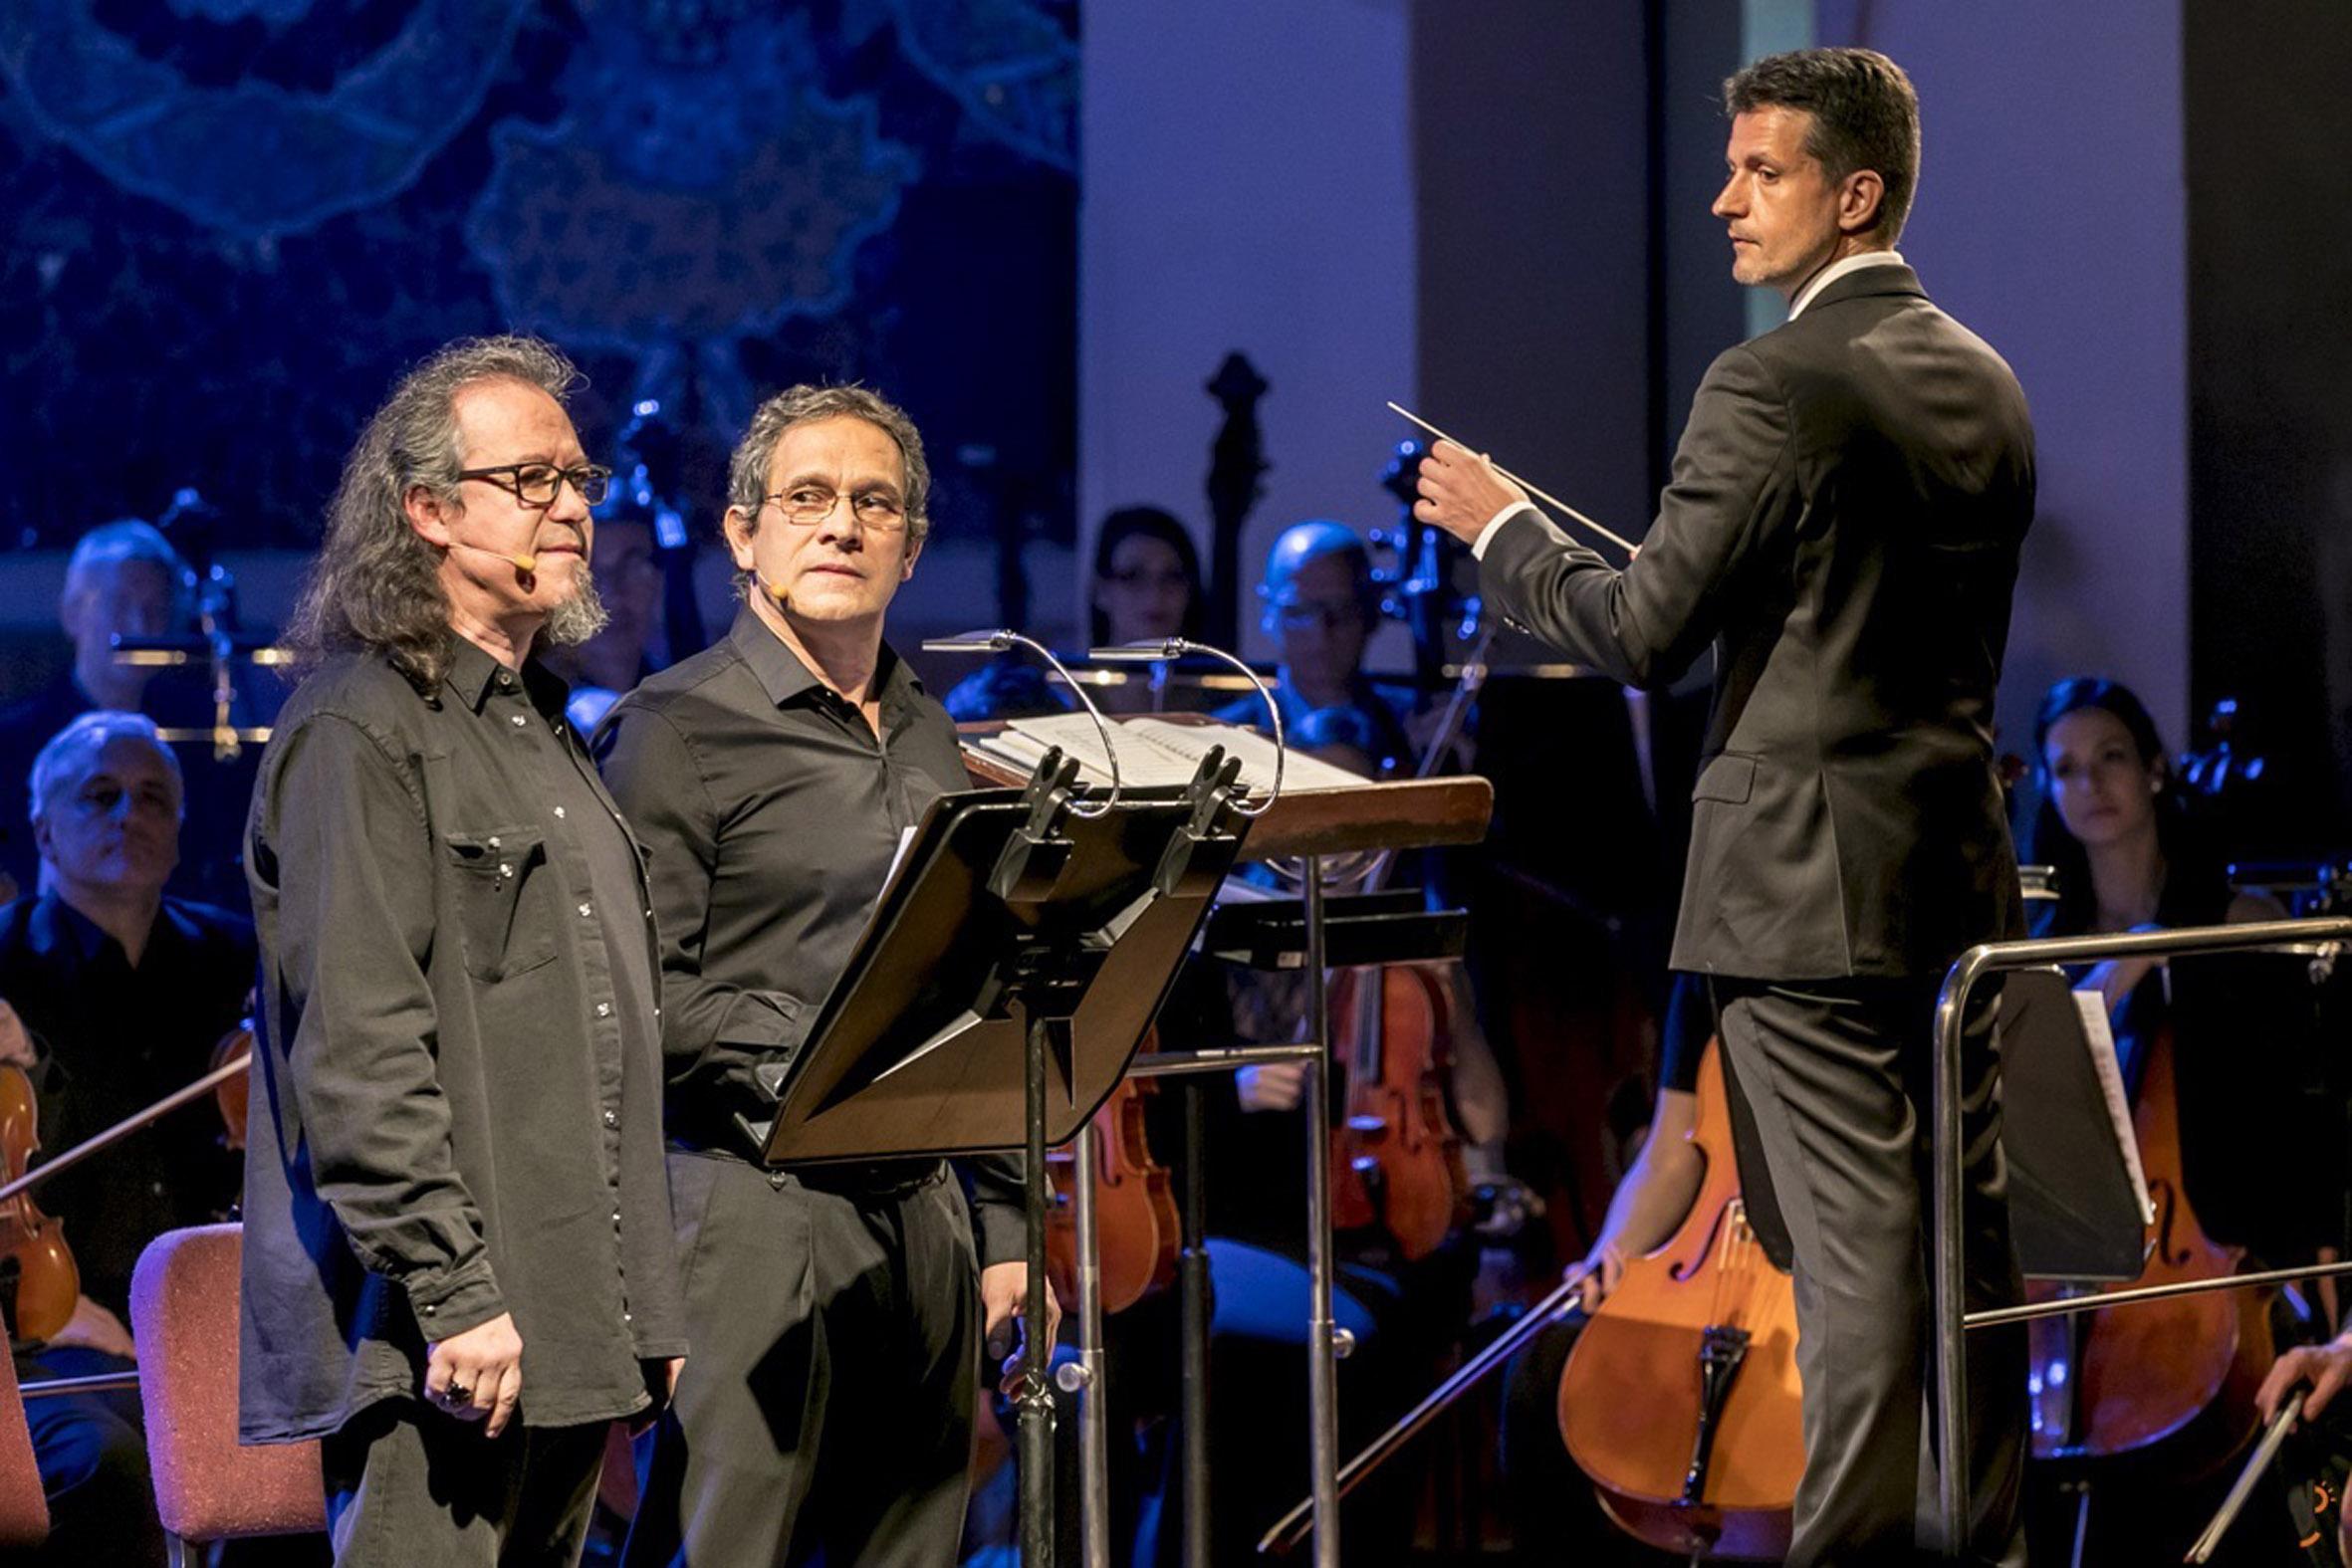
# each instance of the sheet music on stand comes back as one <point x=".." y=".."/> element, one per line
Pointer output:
<point x="1156" y="751"/>
<point x="2099" y="1039"/>
<point x="2078" y="1199"/>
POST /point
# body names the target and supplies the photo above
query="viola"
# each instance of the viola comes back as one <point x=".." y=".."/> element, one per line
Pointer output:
<point x="1680" y="1400"/>
<point x="1396" y="1164"/>
<point x="235" y="1092"/>
<point x="1135" y="1219"/>
<point x="2168" y="1383"/>
<point x="39" y="1283"/>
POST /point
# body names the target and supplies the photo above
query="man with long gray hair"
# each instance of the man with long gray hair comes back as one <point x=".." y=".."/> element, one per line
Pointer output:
<point x="458" y="1261"/>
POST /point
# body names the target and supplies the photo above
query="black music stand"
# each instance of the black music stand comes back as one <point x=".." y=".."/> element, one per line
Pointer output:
<point x="2072" y="1208"/>
<point x="1012" y="967"/>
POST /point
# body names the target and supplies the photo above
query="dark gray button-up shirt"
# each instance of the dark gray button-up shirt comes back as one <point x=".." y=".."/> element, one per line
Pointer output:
<point x="457" y="1096"/>
<point x="771" y="813"/>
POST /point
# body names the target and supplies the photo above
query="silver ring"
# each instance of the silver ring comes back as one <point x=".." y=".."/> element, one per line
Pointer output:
<point x="459" y="1394"/>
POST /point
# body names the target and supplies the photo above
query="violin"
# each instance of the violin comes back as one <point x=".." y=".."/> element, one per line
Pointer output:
<point x="1396" y="1163"/>
<point x="1396" y="1158"/>
<point x="2172" y="1381"/>
<point x="1135" y="1219"/>
<point x="1681" y="1400"/>
<point x="234" y="1091"/>
<point x="39" y="1285"/>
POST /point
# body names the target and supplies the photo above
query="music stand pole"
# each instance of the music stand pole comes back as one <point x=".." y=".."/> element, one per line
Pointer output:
<point x="1191" y="1269"/>
<point x="1323" y="1368"/>
<point x="1036" y="1396"/>
<point x="1091" y="1384"/>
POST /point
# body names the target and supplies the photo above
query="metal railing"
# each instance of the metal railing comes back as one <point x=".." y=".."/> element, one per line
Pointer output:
<point x="1952" y="1321"/>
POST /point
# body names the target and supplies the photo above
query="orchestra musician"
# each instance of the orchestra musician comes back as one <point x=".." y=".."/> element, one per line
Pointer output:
<point x="606" y="667"/>
<point x="458" y="1263"/>
<point x="123" y="579"/>
<point x="2325" y="1369"/>
<point x="1843" y="524"/>
<point x="838" y="1313"/>
<point x="119" y="993"/>
<point x="1321" y="609"/>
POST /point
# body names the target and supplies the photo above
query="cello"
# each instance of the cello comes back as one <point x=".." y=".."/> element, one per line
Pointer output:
<point x="1681" y="1400"/>
<point x="2166" y="1386"/>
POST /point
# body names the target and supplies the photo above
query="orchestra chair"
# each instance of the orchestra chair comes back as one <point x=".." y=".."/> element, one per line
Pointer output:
<point x="208" y="1488"/>
<point x="24" y="1507"/>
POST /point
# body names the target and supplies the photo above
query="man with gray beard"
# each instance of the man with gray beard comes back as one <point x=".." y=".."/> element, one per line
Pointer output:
<point x="458" y="1260"/>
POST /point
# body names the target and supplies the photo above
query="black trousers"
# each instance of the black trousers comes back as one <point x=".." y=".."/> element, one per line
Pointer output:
<point x="825" y="1415"/>
<point x="407" y="1484"/>
<point x="1836" y="1076"/>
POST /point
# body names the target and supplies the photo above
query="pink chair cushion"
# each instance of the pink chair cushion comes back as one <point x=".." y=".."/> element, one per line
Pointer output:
<point x="183" y="1313"/>
<point x="24" y="1511"/>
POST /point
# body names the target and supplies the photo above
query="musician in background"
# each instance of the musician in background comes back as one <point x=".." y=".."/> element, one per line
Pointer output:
<point x="1554" y="1515"/>
<point x="121" y="994"/>
<point x="1321" y="609"/>
<point x="1843" y="524"/>
<point x="2323" y="1459"/>
<point x="458" y="1264"/>
<point x="837" y="1312"/>
<point x="608" y="667"/>
<point x="122" y="580"/>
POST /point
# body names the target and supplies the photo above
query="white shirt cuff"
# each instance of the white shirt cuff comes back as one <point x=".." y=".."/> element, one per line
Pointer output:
<point x="1478" y="547"/>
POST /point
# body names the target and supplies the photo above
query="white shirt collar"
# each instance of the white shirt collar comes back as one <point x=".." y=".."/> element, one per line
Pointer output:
<point x="1838" y="269"/>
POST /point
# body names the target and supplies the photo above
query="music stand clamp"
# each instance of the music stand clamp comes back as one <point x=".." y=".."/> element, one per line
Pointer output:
<point x="1021" y="936"/>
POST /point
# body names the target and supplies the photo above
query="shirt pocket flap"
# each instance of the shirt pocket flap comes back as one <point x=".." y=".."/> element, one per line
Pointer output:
<point x="1730" y="778"/>
<point x="494" y="869"/>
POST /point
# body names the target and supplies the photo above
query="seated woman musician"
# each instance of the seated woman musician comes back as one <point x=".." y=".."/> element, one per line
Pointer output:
<point x="2129" y="854"/>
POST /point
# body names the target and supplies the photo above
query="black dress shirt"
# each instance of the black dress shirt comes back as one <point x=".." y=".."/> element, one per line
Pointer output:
<point x="113" y="1039"/>
<point x="771" y="813"/>
<point x="456" y="1111"/>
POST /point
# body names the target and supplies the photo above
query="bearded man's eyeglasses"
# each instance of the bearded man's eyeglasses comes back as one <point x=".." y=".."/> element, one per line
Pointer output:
<point x="538" y="484"/>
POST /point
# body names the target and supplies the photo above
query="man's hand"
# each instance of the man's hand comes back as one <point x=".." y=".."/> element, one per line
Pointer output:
<point x="1460" y="492"/>
<point x="1604" y="1271"/>
<point x="2325" y="1367"/>
<point x="661" y="1381"/>
<point x="477" y="1374"/>
<point x="16" y="1044"/>
<point x="93" y="1327"/>
<point x="1270" y="1086"/>
<point x="1003" y="1300"/>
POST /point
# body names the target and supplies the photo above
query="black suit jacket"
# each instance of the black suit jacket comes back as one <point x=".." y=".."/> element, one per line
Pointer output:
<point x="1842" y="524"/>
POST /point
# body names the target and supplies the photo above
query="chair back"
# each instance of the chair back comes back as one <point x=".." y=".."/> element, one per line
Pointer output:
<point x="183" y="1313"/>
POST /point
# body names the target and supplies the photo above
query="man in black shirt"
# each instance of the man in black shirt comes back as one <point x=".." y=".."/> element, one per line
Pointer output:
<point x="458" y="1263"/>
<point x="120" y="995"/>
<point x="837" y="1314"/>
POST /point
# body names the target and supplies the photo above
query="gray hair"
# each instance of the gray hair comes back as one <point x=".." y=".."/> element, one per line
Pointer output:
<point x="747" y="472"/>
<point x="376" y="585"/>
<point x="71" y="751"/>
<point x="126" y="540"/>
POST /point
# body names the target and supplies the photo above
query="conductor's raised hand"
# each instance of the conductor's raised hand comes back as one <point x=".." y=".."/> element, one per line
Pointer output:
<point x="1460" y="492"/>
<point x="477" y="1375"/>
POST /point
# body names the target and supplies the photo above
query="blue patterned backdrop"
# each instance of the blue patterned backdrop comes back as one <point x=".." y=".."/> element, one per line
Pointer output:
<point x="232" y="221"/>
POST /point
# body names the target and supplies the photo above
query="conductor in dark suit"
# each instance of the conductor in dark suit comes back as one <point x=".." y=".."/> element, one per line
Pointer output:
<point x="1842" y="525"/>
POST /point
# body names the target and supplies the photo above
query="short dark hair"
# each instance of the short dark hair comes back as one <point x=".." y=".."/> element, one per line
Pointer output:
<point x="1865" y="116"/>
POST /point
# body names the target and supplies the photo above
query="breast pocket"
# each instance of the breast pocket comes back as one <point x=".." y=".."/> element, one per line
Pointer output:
<point x="501" y="882"/>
